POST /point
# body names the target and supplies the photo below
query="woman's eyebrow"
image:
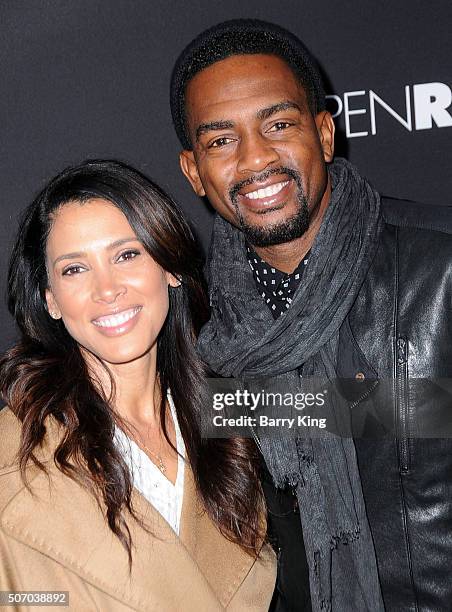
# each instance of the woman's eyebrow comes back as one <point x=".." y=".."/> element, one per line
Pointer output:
<point x="113" y="245"/>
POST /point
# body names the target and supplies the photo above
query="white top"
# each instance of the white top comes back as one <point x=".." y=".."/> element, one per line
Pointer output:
<point x="165" y="496"/>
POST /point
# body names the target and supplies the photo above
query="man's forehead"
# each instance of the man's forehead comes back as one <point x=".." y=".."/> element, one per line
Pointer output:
<point x="242" y="81"/>
<point x="235" y="67"/>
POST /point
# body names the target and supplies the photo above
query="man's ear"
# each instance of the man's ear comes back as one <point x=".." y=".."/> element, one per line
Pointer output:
<point x="325" y="127"/>
<point x="190" y="169"/>
<point x="52" y="307"/>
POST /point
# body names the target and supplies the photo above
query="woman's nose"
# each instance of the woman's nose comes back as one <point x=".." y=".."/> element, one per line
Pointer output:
<point x="107" y="287"/>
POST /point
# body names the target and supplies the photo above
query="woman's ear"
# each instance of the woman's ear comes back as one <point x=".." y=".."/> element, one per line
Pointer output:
<point x="173" y="281"/>
<point x="52" y="306"/>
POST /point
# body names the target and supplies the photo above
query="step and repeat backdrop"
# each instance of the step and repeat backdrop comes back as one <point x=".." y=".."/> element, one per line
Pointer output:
<point x="90" y="78"/>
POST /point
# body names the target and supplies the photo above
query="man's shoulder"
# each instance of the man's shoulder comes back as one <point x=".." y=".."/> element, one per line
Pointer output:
<point x="414" y="215"/>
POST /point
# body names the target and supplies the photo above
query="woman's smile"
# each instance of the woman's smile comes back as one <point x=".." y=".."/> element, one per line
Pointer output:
<point x="118" y="323"/>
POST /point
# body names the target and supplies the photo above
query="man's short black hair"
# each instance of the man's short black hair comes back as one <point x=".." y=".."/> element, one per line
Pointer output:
<point x="242" y="37"/>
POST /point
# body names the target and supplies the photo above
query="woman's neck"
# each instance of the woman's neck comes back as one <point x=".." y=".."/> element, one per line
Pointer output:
<point x="137" y="390"/>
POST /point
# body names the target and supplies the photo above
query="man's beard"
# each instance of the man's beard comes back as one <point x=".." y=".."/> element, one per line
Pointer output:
<point x="278" y="233"/>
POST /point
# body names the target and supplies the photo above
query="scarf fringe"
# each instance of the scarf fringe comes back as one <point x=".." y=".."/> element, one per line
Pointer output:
<point x="345" y="537"/>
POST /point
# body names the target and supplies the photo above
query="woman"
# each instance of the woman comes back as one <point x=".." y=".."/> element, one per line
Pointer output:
<point x="107" y="490"/>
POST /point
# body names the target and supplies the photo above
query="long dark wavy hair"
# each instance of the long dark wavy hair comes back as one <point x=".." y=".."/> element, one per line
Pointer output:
<point x="225" y="470"/>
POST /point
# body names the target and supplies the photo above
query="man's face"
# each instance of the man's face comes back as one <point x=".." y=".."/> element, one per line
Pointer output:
<point x="258" y="153"/>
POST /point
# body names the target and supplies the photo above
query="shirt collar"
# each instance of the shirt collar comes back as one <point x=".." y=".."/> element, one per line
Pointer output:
<point x="276" y="287"/>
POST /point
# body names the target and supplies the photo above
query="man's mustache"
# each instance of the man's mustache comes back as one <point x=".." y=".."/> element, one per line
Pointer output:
<point x="262" y="176"/>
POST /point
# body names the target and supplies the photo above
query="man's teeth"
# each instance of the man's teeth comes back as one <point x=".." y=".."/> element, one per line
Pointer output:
<point x="267" y="192"/>
<point x="117" y="319"/>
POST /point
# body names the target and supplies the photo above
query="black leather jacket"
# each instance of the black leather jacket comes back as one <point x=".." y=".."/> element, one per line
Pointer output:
<point x="398" y="336"/>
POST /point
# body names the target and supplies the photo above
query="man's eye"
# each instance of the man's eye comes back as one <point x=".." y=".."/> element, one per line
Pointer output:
<point x="219" y="142"/>
<point x="128" y="255"/>
<point x="72" y="270"/>
<point x="280" y="125"/>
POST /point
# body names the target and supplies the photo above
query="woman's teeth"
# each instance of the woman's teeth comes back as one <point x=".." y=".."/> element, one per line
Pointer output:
<point x="117" y="319"/>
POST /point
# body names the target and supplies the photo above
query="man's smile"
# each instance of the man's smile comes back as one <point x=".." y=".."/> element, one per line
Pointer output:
<point x="266" y="192"/>
<point x="265" y="198"/>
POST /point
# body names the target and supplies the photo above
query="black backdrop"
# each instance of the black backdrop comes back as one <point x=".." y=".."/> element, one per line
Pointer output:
<point x="89" y="78"/>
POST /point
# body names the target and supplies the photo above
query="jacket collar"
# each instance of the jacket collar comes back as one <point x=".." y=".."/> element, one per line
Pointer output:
<point x="63" y="521"/>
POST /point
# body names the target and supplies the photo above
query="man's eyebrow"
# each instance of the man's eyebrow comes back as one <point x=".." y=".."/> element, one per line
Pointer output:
<point x="79" y="254"/>
<point x="212" y="126"/>
<point x="265" y="113"/>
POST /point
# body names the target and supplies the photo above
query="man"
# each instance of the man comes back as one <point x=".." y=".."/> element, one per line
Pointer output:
<point x="311" y="273"/>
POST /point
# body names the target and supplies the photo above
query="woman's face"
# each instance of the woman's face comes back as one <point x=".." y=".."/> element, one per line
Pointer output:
<point x="111" y="295"/>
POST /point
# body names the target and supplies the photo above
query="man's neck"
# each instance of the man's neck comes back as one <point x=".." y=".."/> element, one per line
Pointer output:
<point x="286" y="256"/>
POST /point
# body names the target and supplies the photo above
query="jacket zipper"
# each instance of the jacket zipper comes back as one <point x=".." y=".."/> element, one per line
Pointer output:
<point x="364" y="395"/>
<point x="402" y="403"/>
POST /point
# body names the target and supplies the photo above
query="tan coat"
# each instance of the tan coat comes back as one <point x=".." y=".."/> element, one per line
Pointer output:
<point x="57" y="539"/>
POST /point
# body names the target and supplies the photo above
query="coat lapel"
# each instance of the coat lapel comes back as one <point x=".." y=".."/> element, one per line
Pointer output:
<point x="224" y="565"/>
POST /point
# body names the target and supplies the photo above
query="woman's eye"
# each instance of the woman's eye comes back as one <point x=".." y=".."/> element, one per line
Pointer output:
<point x="127" y="255"/>
<point x="72" y="270"/>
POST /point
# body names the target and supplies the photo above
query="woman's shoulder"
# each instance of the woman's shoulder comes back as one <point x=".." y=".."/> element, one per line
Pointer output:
<point x="10" y="429"/>
<point x="10" y="478"/>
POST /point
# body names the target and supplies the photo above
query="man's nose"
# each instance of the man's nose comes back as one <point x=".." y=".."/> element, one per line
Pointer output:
<point x="107" y="287"/>
<point x="256" y="153"/>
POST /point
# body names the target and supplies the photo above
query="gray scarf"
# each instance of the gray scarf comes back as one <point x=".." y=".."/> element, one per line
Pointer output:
<point x="242" y="340"/>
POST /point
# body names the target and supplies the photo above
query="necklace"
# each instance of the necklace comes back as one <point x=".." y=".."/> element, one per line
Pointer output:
<point x="160" y="463"/>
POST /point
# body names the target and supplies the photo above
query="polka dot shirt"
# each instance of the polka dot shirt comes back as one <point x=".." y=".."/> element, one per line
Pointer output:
<point x="277" y="288"/>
